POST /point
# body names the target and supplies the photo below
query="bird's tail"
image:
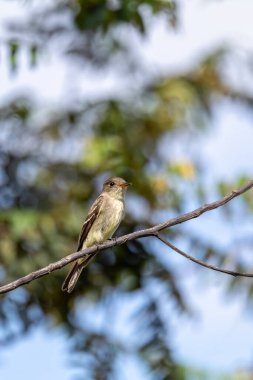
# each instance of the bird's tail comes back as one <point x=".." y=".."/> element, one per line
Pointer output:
<point x="73" y="275"/>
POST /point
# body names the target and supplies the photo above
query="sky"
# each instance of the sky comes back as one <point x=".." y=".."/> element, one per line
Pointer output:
<point x="221" y="321"/>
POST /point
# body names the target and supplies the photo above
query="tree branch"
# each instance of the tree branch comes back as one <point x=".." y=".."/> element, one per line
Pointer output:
<point x="202" y="263"/>
<point x="153" y="231"/>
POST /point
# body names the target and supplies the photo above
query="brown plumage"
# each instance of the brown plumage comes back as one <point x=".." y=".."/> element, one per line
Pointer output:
<point x="100" y="224"/>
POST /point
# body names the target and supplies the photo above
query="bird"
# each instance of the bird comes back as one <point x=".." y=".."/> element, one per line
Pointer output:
<point x="103" y="219"/>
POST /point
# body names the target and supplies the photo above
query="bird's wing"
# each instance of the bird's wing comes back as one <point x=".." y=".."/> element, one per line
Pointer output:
<point x="92" y="215"/>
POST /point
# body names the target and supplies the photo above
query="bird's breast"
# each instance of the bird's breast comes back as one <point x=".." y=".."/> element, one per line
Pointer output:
<point x="113" y="215"/>
<point x="107" y="221"/>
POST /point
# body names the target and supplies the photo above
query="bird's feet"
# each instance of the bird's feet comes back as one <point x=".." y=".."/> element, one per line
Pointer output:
<point x="114" y="239"/>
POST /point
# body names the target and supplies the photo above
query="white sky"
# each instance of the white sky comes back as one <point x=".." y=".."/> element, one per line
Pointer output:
<point x="220" y="338"/>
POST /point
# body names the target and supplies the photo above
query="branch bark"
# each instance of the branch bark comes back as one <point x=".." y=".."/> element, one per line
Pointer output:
<point x="153" y="231"/>
<point x="202" y="263"/>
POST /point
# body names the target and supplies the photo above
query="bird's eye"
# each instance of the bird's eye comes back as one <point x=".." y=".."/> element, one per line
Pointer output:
<point x="112" y="184"/>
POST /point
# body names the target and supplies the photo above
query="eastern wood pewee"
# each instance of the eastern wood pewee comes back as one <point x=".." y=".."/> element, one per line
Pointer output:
<point x="102" y="221"/>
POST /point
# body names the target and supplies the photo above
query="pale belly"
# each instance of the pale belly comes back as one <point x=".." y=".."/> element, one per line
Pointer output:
<point x="106" y="224"/>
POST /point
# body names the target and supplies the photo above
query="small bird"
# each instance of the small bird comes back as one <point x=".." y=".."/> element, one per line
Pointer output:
<point x="102" y="221"/>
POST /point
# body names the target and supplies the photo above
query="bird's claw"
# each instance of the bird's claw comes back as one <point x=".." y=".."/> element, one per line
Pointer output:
<point x="114" y="239"/>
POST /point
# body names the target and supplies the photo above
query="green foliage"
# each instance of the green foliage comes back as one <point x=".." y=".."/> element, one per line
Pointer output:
<point x="13" y="53"/>
<point x="104" y="14"/>
<point x="50" y="169"/>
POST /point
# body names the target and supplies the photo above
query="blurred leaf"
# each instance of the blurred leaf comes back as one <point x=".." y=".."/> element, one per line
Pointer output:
<point x="13" y="55"/>
<point x="33" y="55"/>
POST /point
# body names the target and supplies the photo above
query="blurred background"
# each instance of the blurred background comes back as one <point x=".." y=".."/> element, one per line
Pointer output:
<point x="161" y="93"/>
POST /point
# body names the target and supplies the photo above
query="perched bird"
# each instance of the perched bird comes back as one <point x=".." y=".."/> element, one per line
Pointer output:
<point x="102" y="221"/>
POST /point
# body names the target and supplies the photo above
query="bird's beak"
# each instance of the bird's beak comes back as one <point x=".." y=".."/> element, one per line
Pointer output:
<point x="125" y="184"/>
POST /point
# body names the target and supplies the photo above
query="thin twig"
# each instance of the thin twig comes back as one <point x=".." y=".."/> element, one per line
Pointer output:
<point x="200" y="262"/>
<point x="123" y="239"/>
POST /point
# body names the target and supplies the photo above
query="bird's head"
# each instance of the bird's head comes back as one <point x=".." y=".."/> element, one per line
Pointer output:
<point x="116" y="187"/>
